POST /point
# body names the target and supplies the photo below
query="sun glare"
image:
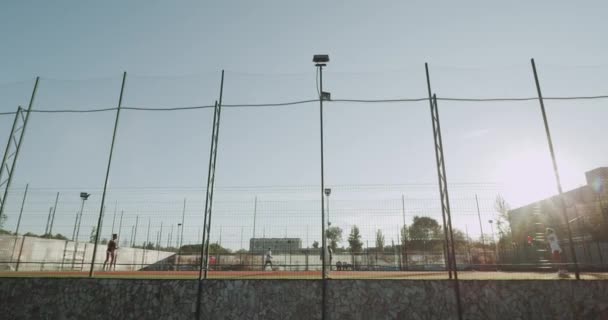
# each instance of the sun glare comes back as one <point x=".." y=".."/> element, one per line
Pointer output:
<point x="526" y="177"/>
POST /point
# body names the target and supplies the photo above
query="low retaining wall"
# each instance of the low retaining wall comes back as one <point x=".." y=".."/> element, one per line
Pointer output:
<point x="39" y="254"/>
<point x="29" y="298"/>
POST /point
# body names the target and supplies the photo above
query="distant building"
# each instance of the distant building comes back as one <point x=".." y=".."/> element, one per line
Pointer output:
<point x="586" y="207"/>
<point x="277" y="245"/>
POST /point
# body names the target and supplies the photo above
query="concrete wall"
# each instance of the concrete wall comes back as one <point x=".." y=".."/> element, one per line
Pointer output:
<point x="37" y="254"/>
<point x="29" y="298"/>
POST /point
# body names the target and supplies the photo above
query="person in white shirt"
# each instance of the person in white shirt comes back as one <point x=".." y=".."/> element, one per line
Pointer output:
<point x="556" y="251"/>
<point x="268" y="259"/>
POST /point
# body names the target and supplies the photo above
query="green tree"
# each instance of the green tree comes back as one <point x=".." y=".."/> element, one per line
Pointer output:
<point x="354" y="240"/>
<point x="59" y="236"/>
<point x="425" y="234"/>
<point x="379" y="240"/>
<point x="92" y="235"/>
<point x="404" y="239"/>
<point x="315" y="244"/>
<point x="334" y="235"/>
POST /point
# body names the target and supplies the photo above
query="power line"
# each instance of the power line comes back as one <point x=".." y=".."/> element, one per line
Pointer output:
<point x="291" y="103"/>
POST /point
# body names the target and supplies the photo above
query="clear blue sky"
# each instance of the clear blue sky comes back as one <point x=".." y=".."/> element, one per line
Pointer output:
<point x="174" y="51"/>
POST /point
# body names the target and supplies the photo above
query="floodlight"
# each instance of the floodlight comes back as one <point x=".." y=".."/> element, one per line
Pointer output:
<point x="325" y="96"/>
<point x="84" y="195"/>
<point x="320" y="59"/>
<point x="327" y="191"/>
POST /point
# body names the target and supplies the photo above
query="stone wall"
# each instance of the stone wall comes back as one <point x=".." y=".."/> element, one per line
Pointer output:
<point x="30" y="298"/>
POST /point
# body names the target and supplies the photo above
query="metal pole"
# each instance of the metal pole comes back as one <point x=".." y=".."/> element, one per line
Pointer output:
<point x="448" y="213"/>
<point x="209" y="198"/>
<point x="160" y="237"/>
<point x="48" y="222"/>
<point x="555" y="170"/>
<point x="179" y="247"/>
<point x="169" y="238"/>
<point x="323" y="242"/>
<point x="466" y="228"/>
<point x="75" y="223"/>
<point x="20" y="252"/>
<point x="25" y="122"/>
<point x="53" y="216"/>
<point x="181" y="239"/>
<point x="134" y="243"/>
<point x="75" y="238"/>
<point x="19" y="220"/>
<point x="219" y="110"/>
<point x="494" y="242"/>
<point x="105" y="185"/>
<point x="438" y="164"/>
<point x="483" y="243"/>
<point x="143" y="256"/>
<point x="8" y="145"/>
<point x="220" y="240"/>
<point x="120" y="226"/>
<point x="255" y="210"/>
<point x="328" y="220"/>
<point x="207" y="204"/>
<point x="79" y="220"/>
<point x="402" y="236"/>
<point x="114" y="218"/>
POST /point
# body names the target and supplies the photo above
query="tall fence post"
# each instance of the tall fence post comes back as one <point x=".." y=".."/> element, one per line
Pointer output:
<point x="209" y="198"/>
<point x="445" y="199"/>
<point x="105" y="185"/>
<point x="15" y="155"/>
<point x="20" y="253"/>
<point x="483" y="242"/>
<point x="555" y="170"/>
<point x="53" y="216"/>
<point x="19" y="220"/>
<point x="448" y="263"/>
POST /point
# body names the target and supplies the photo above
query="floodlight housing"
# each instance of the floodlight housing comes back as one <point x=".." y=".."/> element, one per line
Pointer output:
<point x="325" y="96"/>
<point x="327" y="191"/>
<point x="84" y="195"/>
<point x="320" y="59"/>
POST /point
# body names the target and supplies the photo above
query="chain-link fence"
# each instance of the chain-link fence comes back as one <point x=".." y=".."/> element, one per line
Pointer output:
<point x="237" y="176"/>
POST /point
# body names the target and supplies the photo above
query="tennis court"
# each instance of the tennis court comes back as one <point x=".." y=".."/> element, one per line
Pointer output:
<point x="308" y="275"/>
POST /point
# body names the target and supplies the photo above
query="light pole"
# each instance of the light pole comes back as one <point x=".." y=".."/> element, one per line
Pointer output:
<point x="84" y="196"/>
<point x="320" y="61"/>
<point x="179" y="248"/>
<point x="483" y="242"/>
<point x="491" y="222"/>
<point x="289" y="243"/>
<point x="327" y="194"/>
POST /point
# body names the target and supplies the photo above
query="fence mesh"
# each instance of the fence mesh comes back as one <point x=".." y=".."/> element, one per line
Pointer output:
<point x="381" y="205"/>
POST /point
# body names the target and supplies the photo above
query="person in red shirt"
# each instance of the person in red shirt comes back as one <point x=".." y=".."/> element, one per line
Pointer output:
<point x="111" y="253"/>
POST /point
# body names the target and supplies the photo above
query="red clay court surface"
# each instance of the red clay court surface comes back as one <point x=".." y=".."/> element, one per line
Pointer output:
<point x="409" y="275"/>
